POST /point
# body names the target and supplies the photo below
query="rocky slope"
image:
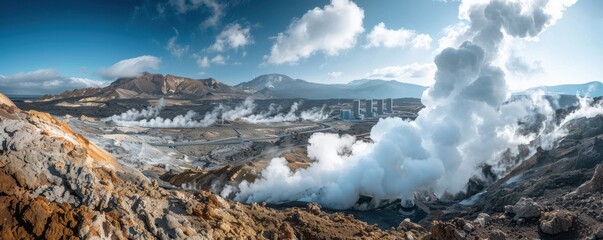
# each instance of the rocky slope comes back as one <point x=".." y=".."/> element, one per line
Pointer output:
<point x="153" y="85"/>
<point x="55" y="184"/>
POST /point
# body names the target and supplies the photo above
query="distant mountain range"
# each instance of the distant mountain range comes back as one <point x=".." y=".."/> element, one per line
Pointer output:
<point x="153" y="85"/>
<point x="282" y="86"/>
<point x="266" y="86"/>
<point x="270" y="86"/>
<point x="594" y="89"/>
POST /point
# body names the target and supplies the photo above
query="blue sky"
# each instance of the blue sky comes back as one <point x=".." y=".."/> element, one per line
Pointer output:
<point x="50" y="46"/>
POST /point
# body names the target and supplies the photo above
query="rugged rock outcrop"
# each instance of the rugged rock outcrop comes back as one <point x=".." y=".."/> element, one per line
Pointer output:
<point x="483" y="219"/>
<point x="5" y="100"/>
<point x="594" y="184"/>
<point x="557" y="221"/>
<point x="525" y="208"/>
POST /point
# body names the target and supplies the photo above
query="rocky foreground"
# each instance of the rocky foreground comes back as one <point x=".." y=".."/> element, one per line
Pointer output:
<point x="55" y="184"/>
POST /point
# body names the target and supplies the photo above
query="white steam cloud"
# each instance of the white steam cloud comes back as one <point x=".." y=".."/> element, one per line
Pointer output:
<point x="465" y="123"/>
<point x="587" y="108"/>
<point x="313" y="114"/>
<point x="134" y="114"/>
<point x="150" y="118"/>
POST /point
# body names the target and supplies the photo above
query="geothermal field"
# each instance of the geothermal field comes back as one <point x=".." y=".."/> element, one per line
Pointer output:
<point x="492" y="127"/>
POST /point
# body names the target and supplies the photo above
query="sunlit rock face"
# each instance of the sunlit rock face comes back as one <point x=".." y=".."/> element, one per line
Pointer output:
<point x="6" y="100"/>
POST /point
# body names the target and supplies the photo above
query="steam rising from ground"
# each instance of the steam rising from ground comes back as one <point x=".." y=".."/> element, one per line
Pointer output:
<point x="314" y="114"/>
<point x="149" y="117"/>
<point x="133" y="114"/>
<point x="466" y="122"/>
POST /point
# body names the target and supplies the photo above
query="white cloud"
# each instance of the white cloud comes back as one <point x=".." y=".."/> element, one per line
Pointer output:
<point x="174" y="48"/>
<point x="380" y="36"/>
<point x="218" y="59"/>
<point x="335" y="74"/>
<point x="416" y="73"/>
<point x="217" y="9"/>
<point x="202" y="62"/>
<point x="205" y="62"/>
<point x="44" y="81"/>
<point x="39" y="75"/>
<point x="422" y="41"/>
<point x="85" y="82"/>
<point x="234" y="36"/>
<point x="130" y="67"/>
<point x="330" y="30"/>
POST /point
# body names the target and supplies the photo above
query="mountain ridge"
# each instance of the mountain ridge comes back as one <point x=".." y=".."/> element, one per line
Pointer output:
<point x="282" y="86"/>
<point x="593" y="88"/>
<point x="150" y="85"/>
<point x="275" y="85"/>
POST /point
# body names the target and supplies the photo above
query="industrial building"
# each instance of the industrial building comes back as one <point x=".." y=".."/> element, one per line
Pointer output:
<point x="368" y="112"/>
<point x="380" y="106"/>
<point x="356" y="109"/>
<point x="346" y="115"/>
<point x="384" y="106"/>
<point x="389" y="103"/>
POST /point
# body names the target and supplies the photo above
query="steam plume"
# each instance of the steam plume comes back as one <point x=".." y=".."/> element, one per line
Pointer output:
<point x="149" y="117"/>
<point x="313" y="114"/>
<point x="464" y="124"/>
<point x="134" y="114"/>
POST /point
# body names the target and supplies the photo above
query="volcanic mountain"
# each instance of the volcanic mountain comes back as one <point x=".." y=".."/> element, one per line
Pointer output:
<point x="151" y="86"/>
<point x="283" y="86"/>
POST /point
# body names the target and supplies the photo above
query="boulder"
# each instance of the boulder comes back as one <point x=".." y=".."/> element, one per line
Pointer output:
<point x="525" y="208"/>
<point x="483" y="219"/>
<point x="406" y="225"/>
<point x="87" y="119"/>
<point x="287" y="231"/>
<point x="448" y="230"/>
<point x="313" y="208"/>
<point x="556" y="222"/>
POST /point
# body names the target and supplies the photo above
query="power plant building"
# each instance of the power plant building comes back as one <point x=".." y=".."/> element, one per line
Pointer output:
<point x="380" y="106"/>
<point x="356" y="109"/>
<point x="389" y="104"/>
<point x="346" y="115"/>
<point x="369" y="108"/>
